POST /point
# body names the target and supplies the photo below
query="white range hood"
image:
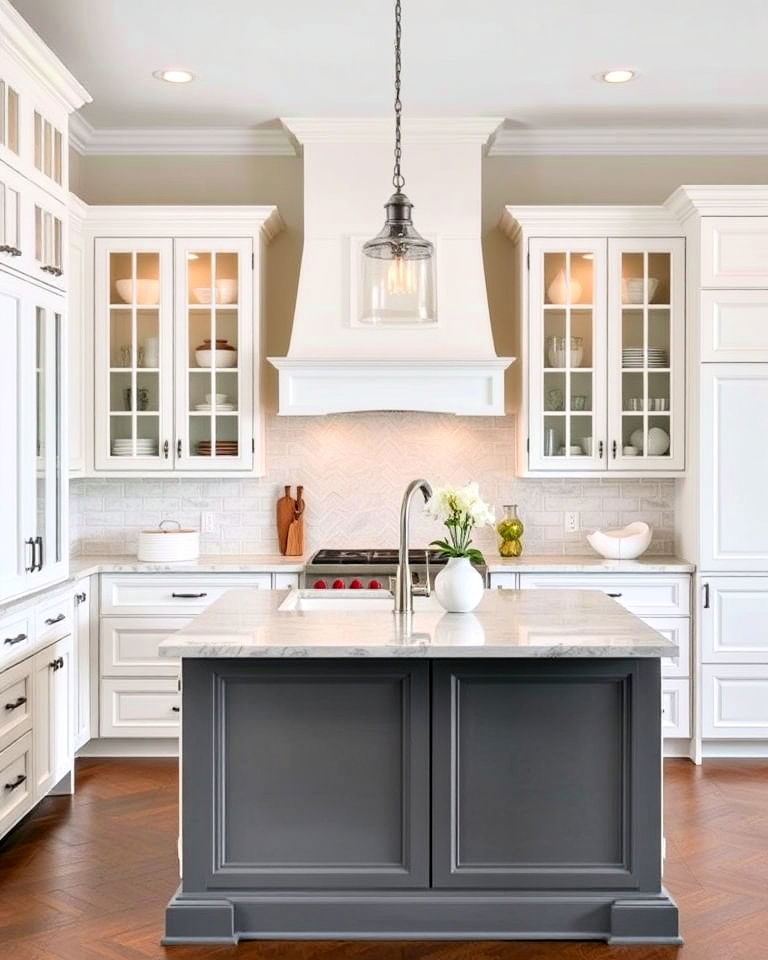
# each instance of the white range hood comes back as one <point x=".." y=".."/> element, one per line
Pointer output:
<point x="336" y="364"/>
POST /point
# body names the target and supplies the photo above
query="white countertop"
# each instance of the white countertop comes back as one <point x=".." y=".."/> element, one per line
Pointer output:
<point x="648" y="563"/>
<point x="508" y="623"/>
<point x="256" y="563"/>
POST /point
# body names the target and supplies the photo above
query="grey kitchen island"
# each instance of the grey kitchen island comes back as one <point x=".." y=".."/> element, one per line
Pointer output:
<point x="350" y="773"/>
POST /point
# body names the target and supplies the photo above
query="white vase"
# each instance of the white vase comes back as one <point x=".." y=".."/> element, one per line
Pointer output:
<point x="458" y="586"/>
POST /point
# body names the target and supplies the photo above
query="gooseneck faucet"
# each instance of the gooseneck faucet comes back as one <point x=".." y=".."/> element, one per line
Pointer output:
<point x="404" y="589"/>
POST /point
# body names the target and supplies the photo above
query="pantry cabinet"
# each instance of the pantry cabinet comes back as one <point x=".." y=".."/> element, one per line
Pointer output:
<point x="601" y="385"/>
<point x="175" y="326"/>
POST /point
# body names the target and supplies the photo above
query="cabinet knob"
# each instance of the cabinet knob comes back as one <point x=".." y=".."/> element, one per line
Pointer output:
<point x="81" y="597"/>
<point x="176" y="709"/>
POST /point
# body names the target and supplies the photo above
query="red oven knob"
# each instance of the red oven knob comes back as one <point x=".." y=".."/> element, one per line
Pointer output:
<point x="320" y="585"/>
<point x="374" y="585"/>
<point x="355" y="585"/>
<point x="338" y="584"/>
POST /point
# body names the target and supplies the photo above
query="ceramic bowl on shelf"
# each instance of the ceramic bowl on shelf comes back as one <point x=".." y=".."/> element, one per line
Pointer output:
<point x="658" y="441"/>
<point x="138" y="291"/>
<point x="626" y="543"/>
<point x="633" y="289"/>
<point x="203" y="294"/>
<point x="218" y="397"/>
<point x="225" y="354"/>
<point x="226" y="290"/>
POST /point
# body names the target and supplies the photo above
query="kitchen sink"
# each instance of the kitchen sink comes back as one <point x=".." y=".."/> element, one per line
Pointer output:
<point x="352" y="600"/>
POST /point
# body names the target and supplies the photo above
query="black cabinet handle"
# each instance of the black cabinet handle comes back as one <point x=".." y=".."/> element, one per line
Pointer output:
<point x="176" y="709"/>
<point x="178" y="449"/>
<point x="189" y="596"/>
<point x="15" y="252"/>
<point x="20" y="701"/>
<point x="706" y="596"/>
<point x="615" y="595"/>
<point x="54" y="665"/>
<point x="166" y="448"/>
<point x="17" y="639"/>
<point x="51" y="620"/>
<point x="30" y="542"/>
<point x="16" y="783"/>
<point x="5" y="248"/>
<point x="81" y="597"/>
<point x="600" y="450"/>
<point x="39" y="564"/>
<point x="614" y="449"/>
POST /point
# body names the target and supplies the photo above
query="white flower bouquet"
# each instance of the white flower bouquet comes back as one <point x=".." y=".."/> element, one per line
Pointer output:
<point x="460" y="509"/>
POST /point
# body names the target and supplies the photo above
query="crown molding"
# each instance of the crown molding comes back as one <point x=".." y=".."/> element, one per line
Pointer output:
<point x="127" y="219"/>
<point x="717" y="200"/>
<point x="19" y="40"/>
<point x="625" y="141"/>
<point x="381" y="129"/>
<point x="88" y="141"/>
<point x="598" y="220"/>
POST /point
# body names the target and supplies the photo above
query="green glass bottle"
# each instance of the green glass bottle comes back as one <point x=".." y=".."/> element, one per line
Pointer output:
<point x="510" y="530"/>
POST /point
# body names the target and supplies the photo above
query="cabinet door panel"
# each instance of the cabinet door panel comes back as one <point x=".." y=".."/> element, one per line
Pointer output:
<point x="734" y="467"/>
<point x="129" y="646"/>
<point x="328" y="789"/>
<point x="523" y="797"/>
<point x="16" y="698"/>
<point x="734" y="326"/>
<point x="81" y="671"/>
<point x="52" y="715"/>
<point x="676" y="708"/>
<point x="17" y="791"/>
<point x="734" y="252"/>
<point x="734" y="627"/>
<point x="139" y="707"/>
<point x="734" y="701"/>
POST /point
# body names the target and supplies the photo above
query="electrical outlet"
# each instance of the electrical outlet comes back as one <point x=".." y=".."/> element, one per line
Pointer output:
<point x="208" y="521"/>
<point x="571" y="521"/>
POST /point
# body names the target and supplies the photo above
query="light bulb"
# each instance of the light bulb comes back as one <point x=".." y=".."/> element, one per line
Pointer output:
<point x="400" y="277"/>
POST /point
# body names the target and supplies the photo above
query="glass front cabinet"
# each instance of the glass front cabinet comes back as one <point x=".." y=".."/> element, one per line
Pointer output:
<point x="604" y="382"/>
<point x="175" y="361"/>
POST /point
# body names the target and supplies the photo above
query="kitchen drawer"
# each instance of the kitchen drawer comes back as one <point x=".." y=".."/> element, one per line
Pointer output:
<point x="734" y="628"/>
<point x="734" y="701"/>
<point x="16" y="634"/>
<point x="129" y="646"/>
<point x="678" y="630"/>
<point x="734" y="252"/>
<point x="15" y="702"/>
<point x="171" y="594"/>
<point x="734" y="326"/>
<point x="16" y="782"/>
<point x="285" y="581"/>
<point x="140" y="707"/>
<point x="53" y="619"/>
<point x="675" y="708"/>
<point x="503" y="581"/>
<point x="647" y="595"/>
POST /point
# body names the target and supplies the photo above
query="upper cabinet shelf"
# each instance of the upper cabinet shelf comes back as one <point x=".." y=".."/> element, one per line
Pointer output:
<point x="602" y="383"/>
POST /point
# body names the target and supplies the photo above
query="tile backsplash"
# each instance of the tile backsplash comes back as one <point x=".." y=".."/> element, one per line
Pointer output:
<point x="354" y="468"/>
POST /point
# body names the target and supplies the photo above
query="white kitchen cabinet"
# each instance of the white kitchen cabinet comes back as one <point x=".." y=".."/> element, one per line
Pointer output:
<point x="176" y="320"/>
<point x="734" y="621"/>
<point x="675" y="708"/>
<point x="17" y="786"/>
<point x="33" y="482"/>
<point x="734" y="700"/>
<point x="140" y="707"/>
<point x="644" y="594"/>
<point x="602" y="381"/>
<point x="734" y="326"/>
<point x="734" y="252"/>
<point x="16" y="698"/>
<point x="173" y="595"/>
<point x="734" y="467"/>
<point x="52" y="725"/>
<point x="81" y="667"/>
<point x="129" y="646"/>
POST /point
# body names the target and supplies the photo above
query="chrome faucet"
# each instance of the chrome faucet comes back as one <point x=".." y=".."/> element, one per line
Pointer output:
<point x="404" y="588"/>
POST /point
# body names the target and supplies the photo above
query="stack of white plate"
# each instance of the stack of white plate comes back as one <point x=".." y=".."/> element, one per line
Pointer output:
<point x="220" y="407"/>
<point x="640" y="357"/>
<point x="143" y="448"/>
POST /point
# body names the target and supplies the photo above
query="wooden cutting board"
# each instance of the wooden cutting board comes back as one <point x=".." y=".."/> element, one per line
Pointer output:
<point x="290" y="523"/>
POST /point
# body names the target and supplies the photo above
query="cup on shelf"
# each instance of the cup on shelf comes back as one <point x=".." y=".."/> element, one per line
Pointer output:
<point x="659" y="404"/>
<point x="152" y="352"/>
<point x="586" y="446"/>
<point x="557" y="352"/>
<point x="634" y="403"/>
<point x="578" y="402"/>
<point x="550" y="442"/>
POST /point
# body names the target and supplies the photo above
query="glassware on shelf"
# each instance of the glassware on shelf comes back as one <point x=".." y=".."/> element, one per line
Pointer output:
<point x="510" y="529"/>
<point x="557" y="352"/>
<point x="555" y="399"/>
<point x="578" y="402"/>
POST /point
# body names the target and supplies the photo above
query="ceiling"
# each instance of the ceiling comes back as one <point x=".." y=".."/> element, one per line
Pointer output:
<point x="698" y="62"/>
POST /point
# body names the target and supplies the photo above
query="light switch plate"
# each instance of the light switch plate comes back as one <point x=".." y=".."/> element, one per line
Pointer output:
<point x="571" y="521"/>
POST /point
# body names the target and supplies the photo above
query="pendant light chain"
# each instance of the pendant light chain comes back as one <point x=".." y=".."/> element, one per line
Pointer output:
<point x="398" y="179"/>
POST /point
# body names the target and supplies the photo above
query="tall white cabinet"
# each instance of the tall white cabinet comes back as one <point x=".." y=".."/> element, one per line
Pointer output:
<point x="722" y="505"/>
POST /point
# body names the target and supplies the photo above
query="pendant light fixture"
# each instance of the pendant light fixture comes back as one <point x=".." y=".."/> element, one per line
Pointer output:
<point x="398" y="269"/>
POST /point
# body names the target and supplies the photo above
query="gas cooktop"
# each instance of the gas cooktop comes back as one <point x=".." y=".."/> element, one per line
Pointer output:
<point x="369" y="558"/>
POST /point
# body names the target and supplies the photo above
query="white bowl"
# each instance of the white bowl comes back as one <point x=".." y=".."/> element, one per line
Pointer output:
<point x="632" y="290"/>
<point x="203" y="294"/>
<point x="147" y="291"/>
<point x="219" y="397"/>
<point x="226" y="290"/>
<point x="658" y="441"/>
<point x="224" y="358"/>
<point x="624" y="544"/>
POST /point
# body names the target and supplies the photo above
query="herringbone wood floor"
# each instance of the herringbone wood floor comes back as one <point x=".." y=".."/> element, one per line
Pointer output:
<point x="87" y="878"/>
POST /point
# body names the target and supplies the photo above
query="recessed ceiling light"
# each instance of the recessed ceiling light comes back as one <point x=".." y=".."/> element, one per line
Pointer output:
<point x="618" y="76"/>
<point x="174" y="75"/>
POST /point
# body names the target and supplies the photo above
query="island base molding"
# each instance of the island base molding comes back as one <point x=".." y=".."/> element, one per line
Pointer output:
<point x="424" y="915"/>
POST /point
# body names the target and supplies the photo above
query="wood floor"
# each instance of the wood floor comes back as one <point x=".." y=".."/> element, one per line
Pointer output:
<point x="87" y="878"/>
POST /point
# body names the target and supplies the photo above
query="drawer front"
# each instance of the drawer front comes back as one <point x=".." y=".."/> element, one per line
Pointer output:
<point x="734" y="252"/>
<point x="503" y="581"/>
<point x="129" y="646"/>
<point x="172" y="594"/>
<point x="16" y="635"/>
<point x="53" y="619"/>
<point x="734" y="700"/>
<point x="675" y="708"/>
<point x="15" y="702"/>
<point x="678" y="630"/>
<point x="285" y="581"/>
<point x="734" y="326"/>
<point x="734" y="628"/>
<point x="647" y="595"/>
<point x="16" y="782"/>
<point x="140" y="707"/>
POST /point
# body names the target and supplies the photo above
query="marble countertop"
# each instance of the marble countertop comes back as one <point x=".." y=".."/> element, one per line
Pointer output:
<point x="507" y="623"/>
<point x="257" y="563"/>
<point x="648" y="563"/>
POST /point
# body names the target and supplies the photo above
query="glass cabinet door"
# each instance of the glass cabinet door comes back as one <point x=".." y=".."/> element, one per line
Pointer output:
<point x="134" y="349"/>
<point x="646" y="354"/>
<point x="214" y="351"/>
<point x="567" y="415"/>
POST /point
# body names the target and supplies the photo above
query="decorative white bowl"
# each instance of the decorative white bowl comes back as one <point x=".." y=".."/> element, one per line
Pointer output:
<point x="624" y="544"/>
<point x="147" y="291"/>
<point x="658" y="441"/>
<point x="224" y="358"/>
<point x="632" y="290"/>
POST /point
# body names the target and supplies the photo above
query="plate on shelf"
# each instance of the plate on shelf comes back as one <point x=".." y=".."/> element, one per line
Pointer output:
<point x="220" y="407"/>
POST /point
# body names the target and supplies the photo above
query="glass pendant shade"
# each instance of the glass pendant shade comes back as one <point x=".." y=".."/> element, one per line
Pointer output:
<point x="398" y="271"/>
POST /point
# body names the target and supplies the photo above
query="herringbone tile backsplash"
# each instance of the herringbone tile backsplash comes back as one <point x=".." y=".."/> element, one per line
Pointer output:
<point x="354" y="468"/>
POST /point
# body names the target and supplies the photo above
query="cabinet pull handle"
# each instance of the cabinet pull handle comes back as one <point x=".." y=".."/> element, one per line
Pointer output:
<point x="166" y="448"/>
<point x="39" y="543"/>
<point x="30" y="542"/>
<point x="178" y="449"/>
<point x="706" y="596"/>
<point x="19" y="702"/>
<point x="614" y="448"/>
<point x="615" y="595"/>
<point x="600" y="450"/>
<point x="61" y="663"/>
<point x="5" y="248"/>
<point x="16" y="783"/>
<point x="17" y="639"/>
<point x="176" y="709"/>
<point x="81" y="597"/>
<point x="188" y="596"/>
<point x="54" y="665"/>
<point x="51" y="620"/>
<point x="15" y="252"/>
